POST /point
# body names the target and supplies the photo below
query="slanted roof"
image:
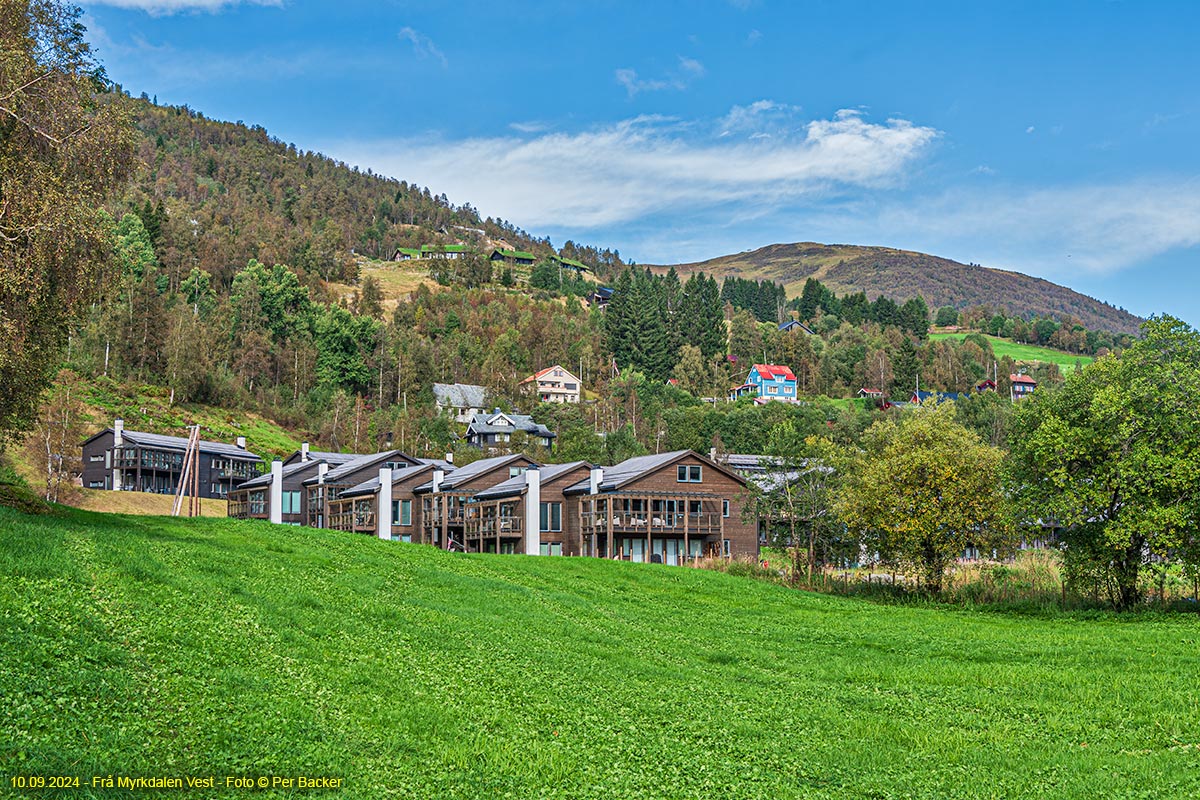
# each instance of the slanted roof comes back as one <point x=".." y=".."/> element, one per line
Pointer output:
<point x="361" y="462"/>
<point x="792" y="324"/>
<point x="514" y="254"/>
<point x="485" y="423"/>
<point x="459" y="395"/>
<point x="449" y="248"/>
<point x="1022" y="379"/>
<point x="775" y="371"/>
<point x="634" y="468"/>
<point x="604" y="293"/>
<point x="371" y="486"/>
<point x="516" y="486"/>
<point x="161" y="442"/>
<point x="288" y="471"/>
<point x="332" y="459"/>
<point x="542" y="373"/>
<point x="471" y="471"/>
<point x="411" y="252"/>
<point x="921" y="395"/>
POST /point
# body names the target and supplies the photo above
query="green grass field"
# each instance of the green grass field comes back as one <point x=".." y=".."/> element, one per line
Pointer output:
<point x="144" y="646"/>
<point x="1026" y="352"/>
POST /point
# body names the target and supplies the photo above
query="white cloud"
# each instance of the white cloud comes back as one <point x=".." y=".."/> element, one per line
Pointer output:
<point x="162" y="7"/>
<point x="1103" y="228"/>
<point x="689" y="69"/>
<point x="422" y="45"/>
<point x="641" y="166"/>
<point x="753" y="37"/>
<point x="762" y="117"/>
<point x="1030" y="129"/>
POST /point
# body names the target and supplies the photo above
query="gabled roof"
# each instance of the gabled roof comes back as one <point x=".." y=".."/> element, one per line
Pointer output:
<point x="566" y="373"/>
<point x="160" y="442"/>
<point x="921" y="395"/>
<point x="371" y="486"/>
<point x="459" y="395"/>
<point x="411" y="252"/>
<point x="289" y="470"/>
<point x="361" y="462"/>
<point x="486" y="423"/>
<point x="792" y="324"/>
<point x="634" y="468"/>
<point x="570" y="262"/>
<point x="867" y="390"/>
<point x="1022" y="379"/>
<point x="775" y="371"/>
<point x="516" y="486"/>
<point x="604" y="293"/>
<point x="471" y="471"/>
<point x="514" y="254"/>
<point x="449" y="248"/>
<point x="332" y="459"/>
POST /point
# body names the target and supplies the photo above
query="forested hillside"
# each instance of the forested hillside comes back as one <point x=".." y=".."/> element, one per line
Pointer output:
<point x="902" y="274"/>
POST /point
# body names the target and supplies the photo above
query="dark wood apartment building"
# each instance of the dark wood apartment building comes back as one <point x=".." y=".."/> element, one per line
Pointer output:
<point x="134" y="461"/>
<point x="444" y="498"/>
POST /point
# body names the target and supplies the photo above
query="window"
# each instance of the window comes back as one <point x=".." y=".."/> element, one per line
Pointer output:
<point x="725" y="547"/>
<point x="724" y="508"/>
<point x="694" y="508"/>
<point x="402" y="512"/>
<point x="291" y="503"/>
<point x="551" y="548"/>
<point x="515" y="471"/>
<point x="688" y="474"/>
<point x="551" y="519"/>
<point x="772" y="390"/>
<point x="96" y="458"/>
<point x="96" y="484"/>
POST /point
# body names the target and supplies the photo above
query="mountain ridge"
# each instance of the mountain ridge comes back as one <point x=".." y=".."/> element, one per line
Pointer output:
<point x="901" y="274"/>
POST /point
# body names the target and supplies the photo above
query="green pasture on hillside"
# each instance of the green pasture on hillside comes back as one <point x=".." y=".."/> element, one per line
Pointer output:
<point x="1026" y="352"/>
<point x="143" y="646"/>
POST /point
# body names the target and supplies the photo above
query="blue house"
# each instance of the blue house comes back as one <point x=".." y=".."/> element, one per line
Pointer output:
<point x="768" y="382"/>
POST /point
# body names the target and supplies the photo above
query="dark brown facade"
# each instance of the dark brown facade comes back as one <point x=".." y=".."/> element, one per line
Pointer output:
<point x="147" y="462"/>
<point x="444" y="510"/>
<point x="497" y="519"/>
<point x="680" y="507"/>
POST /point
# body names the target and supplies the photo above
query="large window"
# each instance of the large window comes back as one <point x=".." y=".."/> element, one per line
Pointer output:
<point x="402" y="512"/>
<point x="291" y="503"/>
<point x="551" y="548"/>
<point x="551" y="517"/>
<point x="688" y="473"/>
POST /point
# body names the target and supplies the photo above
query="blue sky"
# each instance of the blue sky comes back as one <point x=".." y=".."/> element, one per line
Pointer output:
<point x="1052" y="138"/>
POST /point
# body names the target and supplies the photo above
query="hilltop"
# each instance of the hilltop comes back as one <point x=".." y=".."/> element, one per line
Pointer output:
<point x="901" y="274"/>
<point x="157" y="646"/>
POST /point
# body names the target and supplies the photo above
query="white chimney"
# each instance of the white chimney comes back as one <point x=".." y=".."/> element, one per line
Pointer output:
<point x="276" y="510"/>
<point x="438" y="475"/>
<point x="533" y="511"/>
<point x="241" y="442"/>
<point x="595" y="479"/>
<point x="322" y="468"/>
<point x="118" y="432"/>
<point x="383" y="515"/>
<point x="304" y="451"/>
<point x="449" y="458"/>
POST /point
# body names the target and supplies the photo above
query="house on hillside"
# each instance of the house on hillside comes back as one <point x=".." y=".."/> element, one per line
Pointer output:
<point x="1022" y="386"/>
<point x="497" y="428"/>
<point x="767" y="382"/>
<point x="446" y="251"/>
<point x="134" y="461"/>
<point x="553" y="385"/>
<point x="321" y="488"/>
<point x="921" y="396"/>
<point x="356" y="509"/>
<point x="600" y="298"/>
<point x="406" y="254"/>
<point x="445" y="496"/>
<point x="518" y="257"/>
<point x="988" y="385"/>
<point x="868" y="393"/>
<point x="569" y="263"/>
<point x="666" y="508"/>
<point x="463" y="400"/>
<point x="527" y="513"/>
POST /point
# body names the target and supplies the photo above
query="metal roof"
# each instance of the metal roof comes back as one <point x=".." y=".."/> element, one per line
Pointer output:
<point x="288" y="471"/>
<point x="474" y="469"/>
<point x="516" y="485"/>
<point x="358" y="463"/>
<point x="459" y="395"/>
<point x="179" y="443"/>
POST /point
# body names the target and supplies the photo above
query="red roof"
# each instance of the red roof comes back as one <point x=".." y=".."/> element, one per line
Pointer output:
<point x="1022" y="379"/>
<point x="775" y="371"/>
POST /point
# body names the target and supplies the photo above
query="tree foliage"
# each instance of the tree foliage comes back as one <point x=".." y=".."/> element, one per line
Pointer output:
<point x="65" y="146"/>
<point x="1113" y="457"/>
<point x="921" y="490"/>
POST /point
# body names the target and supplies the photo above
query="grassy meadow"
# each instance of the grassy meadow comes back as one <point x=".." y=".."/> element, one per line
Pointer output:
<point x="156" y="646"/>
<point x="1025" y="352"/>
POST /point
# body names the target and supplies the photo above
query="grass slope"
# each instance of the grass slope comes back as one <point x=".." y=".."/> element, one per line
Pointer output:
<point x="901" y="274"/>
<point x="1026" y="352"/>
<point x="147" y="646"/>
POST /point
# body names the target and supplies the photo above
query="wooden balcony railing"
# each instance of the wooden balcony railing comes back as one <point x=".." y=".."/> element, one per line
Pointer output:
<point x="676" y="524"/>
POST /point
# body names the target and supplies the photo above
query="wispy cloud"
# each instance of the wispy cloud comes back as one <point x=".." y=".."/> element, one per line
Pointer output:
<point x="163" y="7"/>
<point x="753" y="37"/>
<point x="1057" y="230"/>
<point x="760" y="118"/>
<point x="644" y="165"/>
<point x="688" y="70"/>
<point x="422" y="45"/>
